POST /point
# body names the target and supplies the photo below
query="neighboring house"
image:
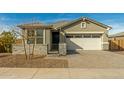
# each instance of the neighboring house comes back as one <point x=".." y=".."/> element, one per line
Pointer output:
<point x="80" y="34"/>
<point x="116" y="41"/>
<point x="117" y="36"/>
<point x="18" y="42"/>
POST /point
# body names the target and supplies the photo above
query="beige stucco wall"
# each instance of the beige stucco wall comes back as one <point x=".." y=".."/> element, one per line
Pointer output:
<point x="62" y="37"/>
<point x="105" y="36"/>
<point x="90" y="27"/>
<point x="48" y="38"/>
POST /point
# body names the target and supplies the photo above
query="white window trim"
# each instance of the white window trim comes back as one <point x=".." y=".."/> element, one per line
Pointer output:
<point x="84" y="25"/>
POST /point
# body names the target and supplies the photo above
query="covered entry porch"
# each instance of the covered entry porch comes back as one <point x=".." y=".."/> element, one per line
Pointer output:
<point x="57" y="43"/>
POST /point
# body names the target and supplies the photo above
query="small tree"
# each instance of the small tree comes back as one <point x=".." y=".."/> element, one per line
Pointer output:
<point x="24" y="38"/>
<point x="19" y="34"/>
<point x="6" y="40"/>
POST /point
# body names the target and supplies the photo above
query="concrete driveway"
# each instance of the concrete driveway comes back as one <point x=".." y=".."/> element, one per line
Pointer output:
<point x="96" y="59"/>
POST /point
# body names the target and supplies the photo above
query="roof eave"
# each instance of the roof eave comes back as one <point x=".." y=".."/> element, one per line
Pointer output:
<point x="99" y="23"/>
<point x="85" y="18"/>
<point x="24" y="27"/>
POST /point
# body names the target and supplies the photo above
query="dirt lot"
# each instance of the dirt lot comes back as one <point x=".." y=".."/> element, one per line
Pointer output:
<point x="19" y="61"/>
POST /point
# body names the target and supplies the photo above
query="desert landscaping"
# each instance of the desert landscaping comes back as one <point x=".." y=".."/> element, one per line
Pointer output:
<point x="19" y="61"/>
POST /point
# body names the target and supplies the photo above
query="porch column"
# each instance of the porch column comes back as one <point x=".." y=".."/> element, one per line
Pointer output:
<point x="105" y="43"/>
<point x="44" y="36"/>
<point x="24" y="33"/>
<point x="62" y="37"/>
<point x="62" y="44"/>
<point x="35" y="35"/>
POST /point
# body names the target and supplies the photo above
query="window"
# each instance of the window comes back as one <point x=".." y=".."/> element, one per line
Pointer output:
<point x="96" y="35"/>
<point x="78" y="36"/>
<point x="39" y="40"/>
<point x="74" y="36"/>
<point x="83" y="24"/>
<point x="30" y="36"/>
<point x="39" y="32"/>
<point x="30" y="33"/>
<point x="35" y="37"/>
<point x="69" y="36"/>
<point x="87" y="35"/>
<point x="30" y="41"/>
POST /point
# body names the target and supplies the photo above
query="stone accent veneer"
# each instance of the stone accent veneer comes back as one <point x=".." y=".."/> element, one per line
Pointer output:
<point x="105" y="46"/>
<point x="38" y="50"/>
<point x="42" y="49"/>
<point x="18" y="49"/>
<point x="62" y="49"/>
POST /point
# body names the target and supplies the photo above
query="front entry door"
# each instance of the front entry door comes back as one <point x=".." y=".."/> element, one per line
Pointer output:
<point x="55" y="40"/>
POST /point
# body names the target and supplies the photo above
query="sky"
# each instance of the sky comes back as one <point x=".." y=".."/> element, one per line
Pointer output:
<point x="115" y="20"/>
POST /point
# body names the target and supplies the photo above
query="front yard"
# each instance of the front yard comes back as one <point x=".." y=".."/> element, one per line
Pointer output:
<point x="19" y="61"/>
<point x="82" y="59"/>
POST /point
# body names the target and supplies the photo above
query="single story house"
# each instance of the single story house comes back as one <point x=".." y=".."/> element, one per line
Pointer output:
<point x="79" y="34"/>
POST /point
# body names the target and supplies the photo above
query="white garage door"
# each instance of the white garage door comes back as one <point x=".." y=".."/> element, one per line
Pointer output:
<point x="83" y="42"/>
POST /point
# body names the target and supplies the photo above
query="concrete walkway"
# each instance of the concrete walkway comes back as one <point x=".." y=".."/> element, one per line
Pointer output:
<point x="60" y="73"/>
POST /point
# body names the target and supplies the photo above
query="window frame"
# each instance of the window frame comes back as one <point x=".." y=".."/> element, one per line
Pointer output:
<point x="30" y="42"/>
<point x="85" y="25"/>
<point x="35" y="36"/>
<point x="97" y="36"/>
<point x="78" y="36"/>
<point x="39" y="30"/>
<point x="32" y="34"/>
<point x="69" y="36"/>
<point x="39" y="36"/>
<point x="87" y="35"/>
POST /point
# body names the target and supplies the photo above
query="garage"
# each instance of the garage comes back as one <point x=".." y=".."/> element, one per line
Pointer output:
<point x="83" y="41"/>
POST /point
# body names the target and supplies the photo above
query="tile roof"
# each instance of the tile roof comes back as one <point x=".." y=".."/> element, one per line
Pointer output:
<point x="61" y="24"/>
<point x="33" y="25"/>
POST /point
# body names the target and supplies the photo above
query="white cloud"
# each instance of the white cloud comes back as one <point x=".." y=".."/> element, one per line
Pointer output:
<point x="116" y="28"/>
<point x="4" y="27"/>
